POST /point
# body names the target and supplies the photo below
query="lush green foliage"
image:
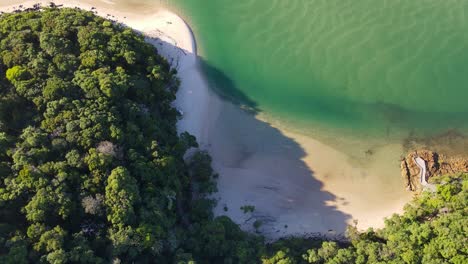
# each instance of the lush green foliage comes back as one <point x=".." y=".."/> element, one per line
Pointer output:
<point x="433" y="229"/>
<point x="92" y="168"/>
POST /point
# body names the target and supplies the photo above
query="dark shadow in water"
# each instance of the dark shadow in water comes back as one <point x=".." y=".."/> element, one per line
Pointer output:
<point x="373" y="119"/>
<point x="225" y="87"/>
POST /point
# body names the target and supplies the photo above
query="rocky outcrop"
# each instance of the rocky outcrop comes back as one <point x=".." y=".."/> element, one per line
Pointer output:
<point x="436" y="163"/>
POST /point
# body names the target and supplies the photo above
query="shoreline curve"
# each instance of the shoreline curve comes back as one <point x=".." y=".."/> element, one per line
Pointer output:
<point x="307" y="192"/>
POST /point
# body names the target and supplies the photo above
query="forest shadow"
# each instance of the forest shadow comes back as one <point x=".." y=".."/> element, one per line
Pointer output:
<point x="261" y="166"/>
<point x="258" y="165"/>
<point x="225" y="87"/>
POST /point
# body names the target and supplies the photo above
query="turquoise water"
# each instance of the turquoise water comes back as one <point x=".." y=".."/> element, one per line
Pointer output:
<point x="378" y="68"/>
<point x="361" y="65"/>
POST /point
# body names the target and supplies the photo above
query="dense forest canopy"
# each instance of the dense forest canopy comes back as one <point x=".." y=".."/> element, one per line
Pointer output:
<point x="92" y="168"/>
<point x="91" y="163"/>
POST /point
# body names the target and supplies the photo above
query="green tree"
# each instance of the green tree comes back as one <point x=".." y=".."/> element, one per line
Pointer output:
<point x="122" y="197"/>
<point x="17" y="74"/>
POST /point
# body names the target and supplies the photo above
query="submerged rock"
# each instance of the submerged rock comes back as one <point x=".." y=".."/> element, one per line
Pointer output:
<point x="437" y="164"/>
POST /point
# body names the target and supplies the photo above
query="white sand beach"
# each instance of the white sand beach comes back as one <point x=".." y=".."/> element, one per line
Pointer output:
<point x="298" y="185"/>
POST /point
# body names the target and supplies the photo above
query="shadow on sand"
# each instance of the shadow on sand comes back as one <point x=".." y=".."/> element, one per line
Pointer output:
<point x="260" y="166"/>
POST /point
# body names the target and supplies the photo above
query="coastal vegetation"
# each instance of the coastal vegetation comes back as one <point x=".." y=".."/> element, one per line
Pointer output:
<point x="92" y="169"/>
<point x="433" y="229"/>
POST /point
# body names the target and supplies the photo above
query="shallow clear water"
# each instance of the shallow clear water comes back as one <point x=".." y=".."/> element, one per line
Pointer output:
<point x="369" y="66"/>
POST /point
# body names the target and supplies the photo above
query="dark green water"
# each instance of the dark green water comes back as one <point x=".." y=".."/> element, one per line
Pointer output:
<point x="357" y="66"/>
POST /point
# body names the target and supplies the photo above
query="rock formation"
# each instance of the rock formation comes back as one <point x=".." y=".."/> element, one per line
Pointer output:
<point x="437" y="164"/>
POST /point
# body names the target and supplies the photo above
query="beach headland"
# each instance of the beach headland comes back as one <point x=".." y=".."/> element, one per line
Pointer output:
<point x="297" y="184"/>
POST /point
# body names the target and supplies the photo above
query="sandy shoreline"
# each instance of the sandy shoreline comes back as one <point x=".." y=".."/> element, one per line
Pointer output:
<point x="297" y="184"/>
